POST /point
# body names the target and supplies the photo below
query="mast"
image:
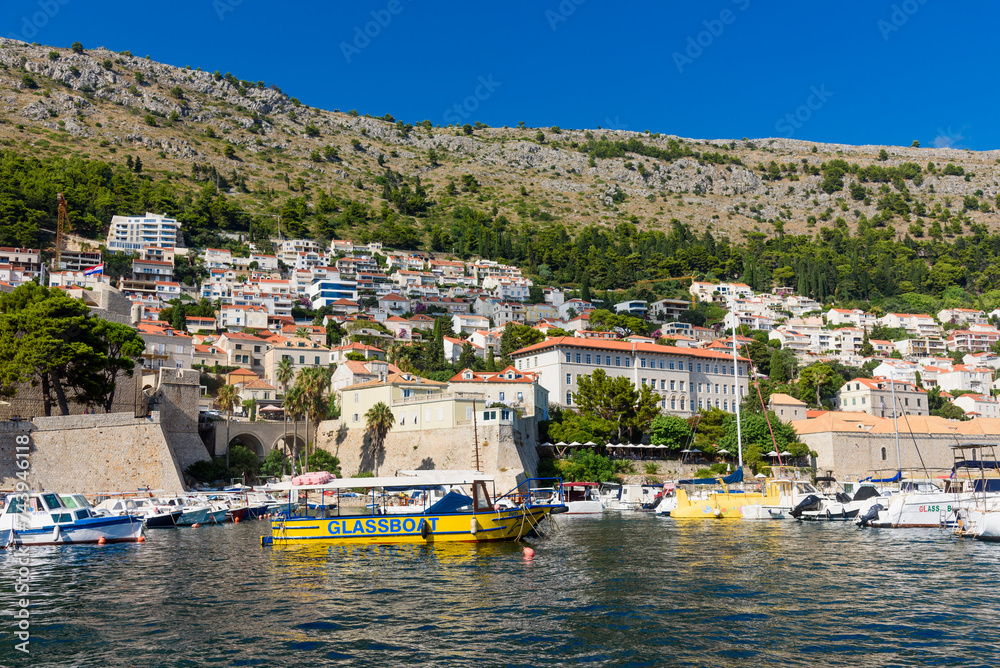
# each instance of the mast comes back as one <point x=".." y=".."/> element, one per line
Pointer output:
<point x="895" y="423"/>
<point x="739" y="429"/>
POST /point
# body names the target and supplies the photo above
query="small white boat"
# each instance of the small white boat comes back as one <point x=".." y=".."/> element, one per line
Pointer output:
<point x="192" y="512"/>
<point x="43" y="519"/>
<point x="155" y="517"/>
<point x="755" y="511"/>
<point x="582" y="498"/>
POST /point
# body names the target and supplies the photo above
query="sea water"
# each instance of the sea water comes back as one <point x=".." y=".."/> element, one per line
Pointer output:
<point x="622" y="589"/>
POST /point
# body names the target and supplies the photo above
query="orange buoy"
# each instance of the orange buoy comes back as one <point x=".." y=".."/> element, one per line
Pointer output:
<point x="529" y="554"/>
<point x="140" y="539"/>
<point x="102" y="540"/>
<point x="236" y="519"/>
<point x="195" y="525"/>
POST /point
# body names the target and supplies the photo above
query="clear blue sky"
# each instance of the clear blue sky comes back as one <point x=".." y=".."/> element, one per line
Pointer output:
<point x="875" y="72"/>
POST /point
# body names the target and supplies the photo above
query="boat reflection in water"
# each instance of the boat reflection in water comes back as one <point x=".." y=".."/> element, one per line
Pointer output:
<point x="457" y="517"/>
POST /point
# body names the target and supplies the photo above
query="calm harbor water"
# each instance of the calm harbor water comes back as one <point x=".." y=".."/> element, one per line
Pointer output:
<point x="623" y="589"/>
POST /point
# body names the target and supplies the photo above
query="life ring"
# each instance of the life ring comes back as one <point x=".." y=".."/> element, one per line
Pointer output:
<point x="425" y="529"/>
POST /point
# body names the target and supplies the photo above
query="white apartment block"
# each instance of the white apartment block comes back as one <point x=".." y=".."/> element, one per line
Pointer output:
<point x="975" y="339"/>
<point x="504" y="312"/>
<point x="217" y="258"/>
<point x="963" y="316"/>
<point x="915" y="324"/>
<point x="925" y="346"/>
<point x="669" y="309"/>
<point x="968" y="378"/>
<point x="239" y="317"/>
<point x="986" y="359"/>
<point x="856" y="317"/>
<point x="897" y="370"/>
<point x="132" y="234"/>
<point x="21" y="265"/>
<point x="875" y="397"/>
<point x="978" y="405"/>
<point x="506" y="289"/>
<point x="684" y="379"/>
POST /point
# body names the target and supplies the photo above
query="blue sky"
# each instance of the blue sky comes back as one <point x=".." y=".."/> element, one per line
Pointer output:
<point x="876" y="72"/>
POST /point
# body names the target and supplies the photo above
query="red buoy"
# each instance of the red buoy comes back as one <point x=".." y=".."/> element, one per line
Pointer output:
<point x="102" y="540"/>
<point x="195" y="525"/>
<point x="140" y="539"/>
<point x="529" y="554"/>
<point x="236" y="519"/>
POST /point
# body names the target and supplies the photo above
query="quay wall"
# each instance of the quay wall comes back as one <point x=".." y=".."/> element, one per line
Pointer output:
<point x="506" y="451"/>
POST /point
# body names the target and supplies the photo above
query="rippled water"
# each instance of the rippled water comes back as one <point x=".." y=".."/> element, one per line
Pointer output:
<point x="623" y="590"/>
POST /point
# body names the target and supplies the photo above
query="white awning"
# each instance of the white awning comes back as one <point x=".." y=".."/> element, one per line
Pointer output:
<point x="385" y="481"/>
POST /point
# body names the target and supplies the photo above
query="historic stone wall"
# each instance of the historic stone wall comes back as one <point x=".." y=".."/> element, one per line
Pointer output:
<point x="503" y="452"/>
<point x="92" y="453"/>
<point x="27" y="402"/>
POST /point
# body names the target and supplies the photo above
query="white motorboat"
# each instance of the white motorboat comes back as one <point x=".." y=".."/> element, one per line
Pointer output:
<point x="192" y="512"/>
<point x="43" y="519"/>
<point x="582" y="498"/>
<point x="154" y="516"/>
<point x="840" y="508"/>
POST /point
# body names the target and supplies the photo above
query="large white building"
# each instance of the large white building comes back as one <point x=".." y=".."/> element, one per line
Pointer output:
<point x="133" y="234"/>
<point x="685" y="379"/>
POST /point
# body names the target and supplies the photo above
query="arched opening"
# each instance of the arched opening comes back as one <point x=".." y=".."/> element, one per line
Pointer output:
<point x="883" y="454"/>
<point x="248" y="441"/>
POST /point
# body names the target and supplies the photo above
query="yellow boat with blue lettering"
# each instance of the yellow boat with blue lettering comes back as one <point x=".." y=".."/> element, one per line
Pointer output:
<point x="412" y="509"/>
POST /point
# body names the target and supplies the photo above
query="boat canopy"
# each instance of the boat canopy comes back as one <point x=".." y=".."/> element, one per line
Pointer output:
<point x="895" y="478"/>
<point x="734" y="477"/>
<point x="978" y="464"/>
<point x="387" y="482"/>
<point x="451" y="502"/>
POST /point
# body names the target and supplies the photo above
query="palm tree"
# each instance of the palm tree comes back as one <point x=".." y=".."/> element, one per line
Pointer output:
<point x="294" y="406"/>
<point x="302" y="333"/>
<point x="315" y="384"/>
<point x="228" y="395"/>
<point x="379" y="421"/>
<point x="283" y="374"/>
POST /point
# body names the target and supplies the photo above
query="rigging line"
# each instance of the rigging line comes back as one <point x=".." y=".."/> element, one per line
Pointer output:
<point x="767" y="415"/>
<point x="915" y="446"/>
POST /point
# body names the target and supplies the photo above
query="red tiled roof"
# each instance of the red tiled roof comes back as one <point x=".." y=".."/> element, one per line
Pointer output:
<point x="624" y="346"/>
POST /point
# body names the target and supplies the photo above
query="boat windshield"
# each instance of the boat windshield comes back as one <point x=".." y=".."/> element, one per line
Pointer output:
<point x="51" y="501"/>
<point x="70" y="502"/>
<point x="15" y="504"/>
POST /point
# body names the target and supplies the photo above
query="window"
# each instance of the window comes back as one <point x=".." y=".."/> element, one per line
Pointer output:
<point x="854" y="402"/>
<point x="699" y="367"/>
<point x="618" y="361"/>
<point x="569" y="398"/>
<point x="628" y="362"/>
<point x="520" y="396"/>
<point x="316" y="360"/>
<point x="643" y="381"/>
<point x="717" y="403"/>
<point x="663" y="384"/>
<point x="716" y="391"/>
<point x="864" y="401"/>
<point x="673" y="404"/>
<point x="725" y="405"/>
<point x="661" y="364"/>
<point x="607" y="360"/>
<point x="700" y="404"/>
<point x="690" y="366"/>
<point x="918" y="402"/>
<point x="578" y="358"/>
<point x="567" y="358"/>
<point x="883" y="454"/>
<point x="569" y="379"/>
<point x="734" y="390"/>
<point x="663" y="403"/>
<point x="723" y="368"/>
<point x="588" y="359"/>
<point x="716" y="368"/>
<point x="672" y="385"/>
<point x="741" y="371"/>
<point x="302" y="359"/>
<point x="700" y="388"/>
<point x="357" y="397"/>
<point x="501" y="396"/>
<point x="682" y="403"/>
<point x="725" y="389"/>
<point x="682" y="385"/>
<point x="468" y="411"/>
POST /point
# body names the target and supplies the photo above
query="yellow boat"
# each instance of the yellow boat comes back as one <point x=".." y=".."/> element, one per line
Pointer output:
<point x="725" y="504"/>
<point x="424" y="509"/>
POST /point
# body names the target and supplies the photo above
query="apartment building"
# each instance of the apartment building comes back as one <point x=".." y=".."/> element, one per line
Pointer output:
<point x="915" y="324"/>
<point x="875" y="397"/>
<point x="133" y="234"/>
<point x="686" y="379"/>
<point x="975" y="339"/>
<point x="978" y="405"/>
<point x="517" y="389"/>
<point x="963" y="316"/>
<point x="165" y="347"/>
<point x="22" y="264"/>
<point x="303" y="353"/>
<point x="856" y="317"/>
<point x="238" y="317"/>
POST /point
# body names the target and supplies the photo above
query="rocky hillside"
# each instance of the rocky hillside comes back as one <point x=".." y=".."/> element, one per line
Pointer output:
<point x="96" y="103"/>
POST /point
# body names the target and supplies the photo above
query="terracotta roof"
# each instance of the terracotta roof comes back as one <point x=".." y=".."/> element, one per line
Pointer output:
<point x="258" y="385"/>
<point x="622" y="346"/>
<point x="241" y="372"/>
<point x="396" y="379"/>
<point x="785" y="400"/>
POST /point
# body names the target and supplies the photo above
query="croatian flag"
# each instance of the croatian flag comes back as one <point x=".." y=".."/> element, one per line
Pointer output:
<point x="96" y="269"/>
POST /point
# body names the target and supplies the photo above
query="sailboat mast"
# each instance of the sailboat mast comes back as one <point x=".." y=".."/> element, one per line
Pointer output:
<point x="739" y="429"/>
<point x="895" y="423"/>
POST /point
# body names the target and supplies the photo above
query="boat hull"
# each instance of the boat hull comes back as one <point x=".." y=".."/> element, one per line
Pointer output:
<point x="190" y="516"/>
<point x="501" y="525"/>
<point x="584" y="507"/>
<point x="162" y="520"/>
<point x="111" y="529"/>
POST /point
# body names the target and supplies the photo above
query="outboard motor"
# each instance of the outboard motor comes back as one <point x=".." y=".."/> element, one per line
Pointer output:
<point x="872" y="514"/>
<point x="811" y="502"/>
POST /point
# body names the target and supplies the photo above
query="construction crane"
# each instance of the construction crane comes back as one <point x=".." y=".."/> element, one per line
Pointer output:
<point x="62" y="225"/>
<point x="674" y="278"/>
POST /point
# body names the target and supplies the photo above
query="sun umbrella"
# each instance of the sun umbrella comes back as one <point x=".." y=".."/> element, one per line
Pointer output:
<point x="575" y="444"/>
<point x="724" y="452"/>
<point x="546" y="445"/>
<point x="685" y="451"/>
<point x="786" y="453"/>
<point x="760" y="475"/>
<point x="562" y="443"/>
<point x="590" y="443"/>
<point x="695" y="450"/>
<point x="773" y="453"/>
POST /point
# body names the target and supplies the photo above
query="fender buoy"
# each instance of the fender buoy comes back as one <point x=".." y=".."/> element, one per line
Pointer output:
<point x="102" y="540"/>
<point x="195" y="525"/>
<point x="236" y="519"/>
<point x="425" y="529"/>
<point x="140" y="539"/>
<point x="475" y="526"/>
<point x="529" y="554"/>
<point x="829" y="517"/>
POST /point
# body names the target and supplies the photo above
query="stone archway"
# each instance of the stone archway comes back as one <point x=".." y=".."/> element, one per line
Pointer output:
<point x="248" y="440"/>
